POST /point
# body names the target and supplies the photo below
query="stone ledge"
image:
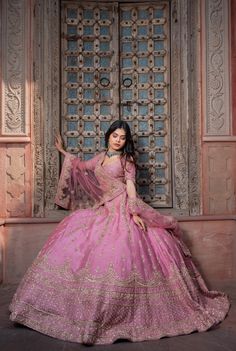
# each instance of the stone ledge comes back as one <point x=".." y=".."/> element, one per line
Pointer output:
<point x="29" y="220"/>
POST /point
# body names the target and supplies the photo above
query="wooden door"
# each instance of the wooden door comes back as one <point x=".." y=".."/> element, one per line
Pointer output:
<point x="116" y="65"/>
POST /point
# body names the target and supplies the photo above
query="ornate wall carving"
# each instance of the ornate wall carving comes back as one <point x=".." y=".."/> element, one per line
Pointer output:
<point x="14" y="63"/>
<point x="217" y="121"/>
<point x="15" y="17"/>
<point x="46" y="103"/>
<point x="194" y="107"/>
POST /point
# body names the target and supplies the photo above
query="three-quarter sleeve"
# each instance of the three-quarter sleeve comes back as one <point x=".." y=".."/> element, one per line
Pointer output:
<point x="130" y="171"/>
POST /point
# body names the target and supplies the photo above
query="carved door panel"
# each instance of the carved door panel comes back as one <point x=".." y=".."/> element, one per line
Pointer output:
<point x="115" y="64"/>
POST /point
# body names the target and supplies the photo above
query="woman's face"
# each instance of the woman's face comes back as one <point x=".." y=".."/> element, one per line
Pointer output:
<point x="117" y="139"/>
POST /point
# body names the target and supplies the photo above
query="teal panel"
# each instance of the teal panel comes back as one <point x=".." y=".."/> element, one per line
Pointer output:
<point x="88" y="45"/>
<point x="88" y="77"/>
<point x="158" y="94"/>
<point x="143" y="173"/>
<point x="158" y="109"/>
<point x="126" y="110"/>
<point x="72" y="45"/>
<point x="143" y="78"/>
<point x="104" y="125"/>
<point x="160" y="157"/>
<point x="143" y="61"/>
<point x="127" y="47"/>
<point x="88" y="93"/>
<point x="88" y="126"/>
<point x="160" y="173"/>
<point x="71" y="77"/>
<point x="158" y="45"/>
<point x="72" y="126"/>
<point x="105" y="61"/>
<point x="158" y="61"/>
<point x="104" y="14"/>
<point x="158" y="29"/>
<point x="158" y="125"/>
<point x="71" y="30"/>
<point x="105" y="93"/>
<point x="104" y="46"/>
<point x="72" y="109"/>
<point x="158" y="13"/>
<point x="143" y="141"/>
<point x="160" y="189"/>
<point x="72" y="12"/>
<point x="105" y="110"/>
<point x="144" y="190"/>
<point x="88" y="142"/>
<point x="143" y="14"/>
<point x="142" y="46"/>
<point x="143" y="94"/>
<point x="143" y="110"/>
<point x="158" y="77"/>
<point x="88" y="109"/>
<point x="142" y="30"/>
<point x="127" y="94"/>
<point x="143" y="157"/>
<point x="87" y="14"/>
<point x="126" y="15"/>
<point x="126" y="31"/>
<point x="72" y="61"/>
<point x="88" y="61"/>
<point x="88" y="30"/>
<point x="104" y="30"/>
<point x="72" y="93"/>
<point x="159" y="141"/>
<point x="72" y="142"/>
<point x="143" y="126"/>
<point x="127" y="62"/>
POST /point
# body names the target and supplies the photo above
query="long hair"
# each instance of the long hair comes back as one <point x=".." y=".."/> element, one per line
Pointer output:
<point x="128" y="148"/>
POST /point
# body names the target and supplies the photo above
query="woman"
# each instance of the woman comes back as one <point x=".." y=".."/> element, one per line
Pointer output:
<point x="117" y="269"/>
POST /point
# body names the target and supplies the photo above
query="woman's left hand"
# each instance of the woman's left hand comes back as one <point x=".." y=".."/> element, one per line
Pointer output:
<point x="139" y="222"/>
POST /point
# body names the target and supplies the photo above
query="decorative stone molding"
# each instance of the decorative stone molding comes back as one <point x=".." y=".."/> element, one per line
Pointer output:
<point x="15" y="187"/>
<point x="194" y="108"/>
<point x="46" y="103"/>
<point x="15" y="69"/>
<point x="217" y="110"/>
<point x="185" y="113"/>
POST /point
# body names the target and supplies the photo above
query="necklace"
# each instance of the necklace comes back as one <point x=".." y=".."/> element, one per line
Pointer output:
<point x="113" y="153"/>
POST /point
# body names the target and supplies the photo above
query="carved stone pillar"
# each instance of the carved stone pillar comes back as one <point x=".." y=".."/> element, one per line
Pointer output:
<point x="185" y="111"/>
<point x="46" y="103"/>
<point x="16" y="85"/>
<point x="217" y="109"/>
<point x="219" y="143"/>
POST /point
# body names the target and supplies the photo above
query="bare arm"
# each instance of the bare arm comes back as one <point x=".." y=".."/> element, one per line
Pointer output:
<point x="59" y="144"/>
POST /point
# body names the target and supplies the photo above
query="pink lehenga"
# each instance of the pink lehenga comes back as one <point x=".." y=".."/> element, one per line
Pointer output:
<point x="99" y="277"/>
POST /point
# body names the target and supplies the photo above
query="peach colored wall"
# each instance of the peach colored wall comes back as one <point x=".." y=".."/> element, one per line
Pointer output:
<point x="219" y="146"/>
<point x="233" y="61"/>
<point x="219" y="177"/>
<point x="212" y="243"/>
<point x="16" y="108"/>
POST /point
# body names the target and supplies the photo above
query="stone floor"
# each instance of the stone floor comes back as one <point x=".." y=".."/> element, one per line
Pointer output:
<point x="20" y="338"/>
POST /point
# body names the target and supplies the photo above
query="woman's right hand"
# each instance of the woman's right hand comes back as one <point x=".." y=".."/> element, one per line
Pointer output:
<point x="59" y="144"/>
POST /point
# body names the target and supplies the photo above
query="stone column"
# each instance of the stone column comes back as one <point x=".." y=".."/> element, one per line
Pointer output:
<point x="16" y="87"/>
<point x="219" y="140"/>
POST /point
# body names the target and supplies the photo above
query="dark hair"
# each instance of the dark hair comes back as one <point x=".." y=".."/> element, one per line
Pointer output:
<point x="128" y="149"/>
